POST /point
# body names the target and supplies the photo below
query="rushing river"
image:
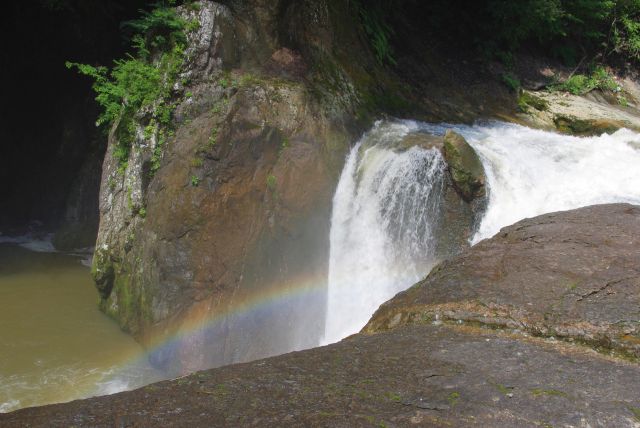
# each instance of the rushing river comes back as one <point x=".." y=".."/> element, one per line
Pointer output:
<point x="385" y="205"/>
<point x="55" y="345"/>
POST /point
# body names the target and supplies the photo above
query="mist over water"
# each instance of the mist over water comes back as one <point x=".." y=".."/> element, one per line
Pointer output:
<point x="383" y="214"/>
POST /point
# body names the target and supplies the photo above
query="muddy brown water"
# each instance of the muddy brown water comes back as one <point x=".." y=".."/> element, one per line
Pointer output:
<point x="55" y="345"/>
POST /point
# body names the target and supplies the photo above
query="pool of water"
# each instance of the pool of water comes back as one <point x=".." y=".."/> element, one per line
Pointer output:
<point x="55" y="345"/>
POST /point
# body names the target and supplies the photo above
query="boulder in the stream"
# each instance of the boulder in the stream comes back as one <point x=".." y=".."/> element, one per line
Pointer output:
<point x="465" y="167"/>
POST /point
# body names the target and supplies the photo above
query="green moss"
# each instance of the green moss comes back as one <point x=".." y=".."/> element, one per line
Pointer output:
<point x="453" y="398"/>
<point x="156" y="156"/>
<point x="537" y="392"/>
<point x="504" y="390"/>
<point x="249" y="80"/>
<point x="150" y="130"/>
<point x="283" y="145"/>
<point x="213" y="138"/>
<point x="103" y="271"/>
<point x="271" y="182"/>
<point x="394" y="397"/>
<point x="527" y="100"/>
<point x="635" y="411"/>
<point x="575" y="126"/>
<point x="465" y="166"/>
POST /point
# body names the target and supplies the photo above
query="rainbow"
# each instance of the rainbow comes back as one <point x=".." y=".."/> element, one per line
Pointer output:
<point x="211" y="315"/>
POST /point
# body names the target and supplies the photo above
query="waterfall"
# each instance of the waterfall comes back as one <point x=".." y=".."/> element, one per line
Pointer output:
<point x="382" y="225"/>
<point x="386" y="206"/>
<point x="532" y="172"/>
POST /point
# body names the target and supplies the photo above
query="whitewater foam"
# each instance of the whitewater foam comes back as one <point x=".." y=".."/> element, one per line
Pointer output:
<point x="529" y="172"/>
<point x="382" y="225"/>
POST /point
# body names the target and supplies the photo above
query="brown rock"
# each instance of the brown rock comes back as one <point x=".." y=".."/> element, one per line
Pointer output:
<point x="570" y="275"/>
<point x="417" y="375"/>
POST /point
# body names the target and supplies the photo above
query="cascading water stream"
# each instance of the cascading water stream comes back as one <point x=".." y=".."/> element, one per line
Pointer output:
<point x="385" y="212"/>
<point x="381" y="233"/>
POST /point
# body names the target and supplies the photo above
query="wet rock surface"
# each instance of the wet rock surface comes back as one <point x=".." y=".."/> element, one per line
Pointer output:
<point x="455" y="350"/>
<point x="198" y="233"/>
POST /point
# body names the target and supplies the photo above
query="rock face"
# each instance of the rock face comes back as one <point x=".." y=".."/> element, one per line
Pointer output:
<point x="576" y="115"/>
<point x="469" y="346"/>
<point x="80" y="224"/>
<point x="465" y="167"/>
<point x="570" y="275"/>
<point x="191" y="258"/>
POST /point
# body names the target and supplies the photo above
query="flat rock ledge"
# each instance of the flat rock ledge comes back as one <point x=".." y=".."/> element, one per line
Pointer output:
<point x="537" y="326"/>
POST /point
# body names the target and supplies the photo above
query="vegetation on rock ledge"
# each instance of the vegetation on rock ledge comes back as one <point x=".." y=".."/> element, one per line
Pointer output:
<point x="140" y="86"/>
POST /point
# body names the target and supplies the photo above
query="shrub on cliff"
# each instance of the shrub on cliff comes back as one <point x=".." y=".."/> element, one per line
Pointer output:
<point x="142" y="81"/>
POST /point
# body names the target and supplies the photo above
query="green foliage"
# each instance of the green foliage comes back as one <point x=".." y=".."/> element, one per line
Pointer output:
<point x="379" y="32"/>
<point x="213" y="138"/>
<point x="141" y="83"/>
<point x="512" y="82"/>
<point x="568" y="29"/>
<point x="271" y="182"/>
<point x="453" y="398"/>
<point x="283" y="146"/>
<point x="156" y="156"/>
<point x="158" y="30"/>
<point x="195" y="181"/>
<point x="580" y="84"/>
<point x="624" y="31"/>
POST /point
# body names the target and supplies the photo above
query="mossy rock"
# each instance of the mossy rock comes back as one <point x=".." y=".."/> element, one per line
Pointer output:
<point x="527" y="100"/>
<point x="103" y="272"/>
<point x="574" y="126"/>
<point x="465" y="167"/>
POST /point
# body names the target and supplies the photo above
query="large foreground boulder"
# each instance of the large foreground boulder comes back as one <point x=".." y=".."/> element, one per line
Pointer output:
<point x="571" y="275"/>
<point x="455" y="350"/>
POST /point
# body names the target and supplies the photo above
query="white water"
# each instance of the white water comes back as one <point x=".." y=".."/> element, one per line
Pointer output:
<point x="381" y="236"/>
<point x="529" y="172"/>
